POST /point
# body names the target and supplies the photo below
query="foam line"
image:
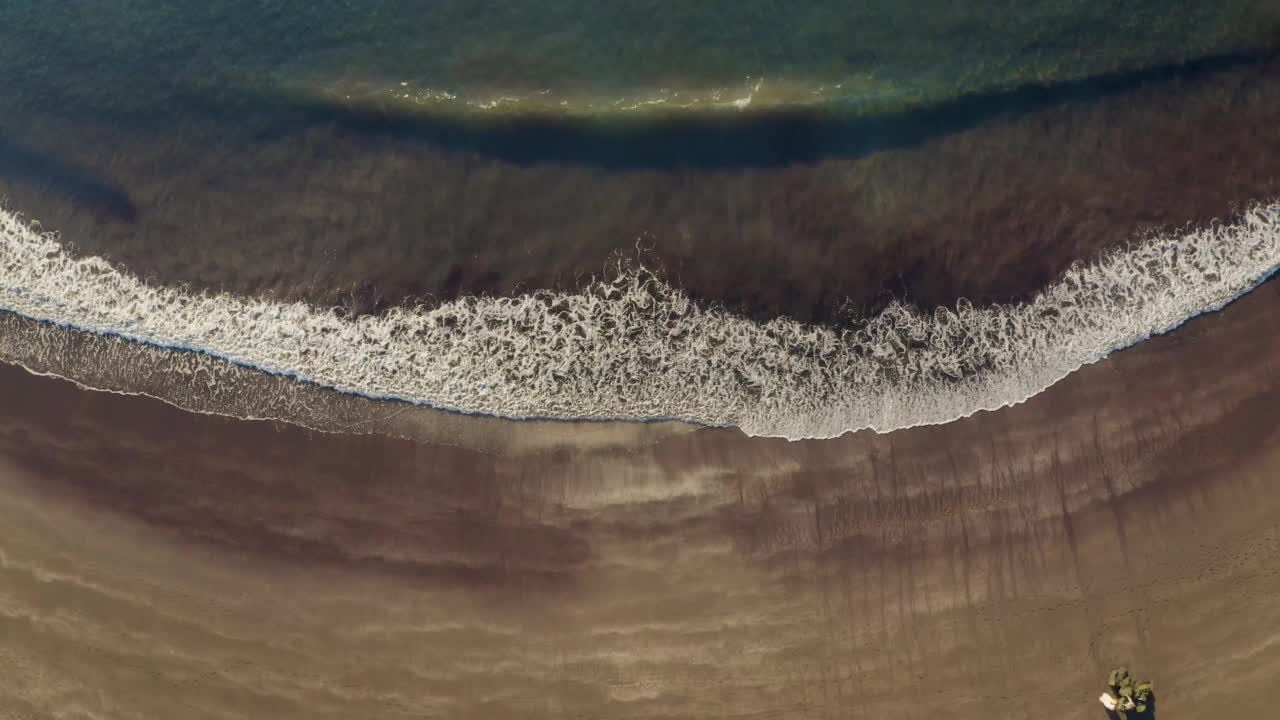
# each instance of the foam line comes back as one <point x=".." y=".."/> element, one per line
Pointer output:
<point x="634" y="348"/>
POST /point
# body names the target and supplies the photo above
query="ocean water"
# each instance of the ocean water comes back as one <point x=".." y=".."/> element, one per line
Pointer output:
<point x="823" y="218"/>
<point x="591" y="58"/>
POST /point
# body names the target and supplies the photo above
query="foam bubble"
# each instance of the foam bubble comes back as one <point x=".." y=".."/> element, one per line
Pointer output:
<point x="634" y="348"/>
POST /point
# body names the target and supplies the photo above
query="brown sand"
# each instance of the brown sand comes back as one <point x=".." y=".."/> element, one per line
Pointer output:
<point x="161" y="564"/>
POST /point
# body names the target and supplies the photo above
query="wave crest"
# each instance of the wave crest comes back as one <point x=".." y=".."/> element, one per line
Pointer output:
<point x="634" y="348"/>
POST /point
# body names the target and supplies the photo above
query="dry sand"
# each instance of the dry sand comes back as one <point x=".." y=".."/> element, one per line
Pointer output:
<point x="161" y="564"/>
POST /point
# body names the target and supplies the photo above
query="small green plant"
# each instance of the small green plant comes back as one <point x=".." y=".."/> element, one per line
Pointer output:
<point x="1130" y="699"/>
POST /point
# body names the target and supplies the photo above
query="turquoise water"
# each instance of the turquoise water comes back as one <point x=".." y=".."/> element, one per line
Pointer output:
<point x="582" y="56"/>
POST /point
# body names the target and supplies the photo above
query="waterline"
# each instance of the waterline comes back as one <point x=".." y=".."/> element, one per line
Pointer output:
<point x="634" y="348"/>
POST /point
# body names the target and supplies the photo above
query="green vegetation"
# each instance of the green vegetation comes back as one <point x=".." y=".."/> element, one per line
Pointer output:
<point x="1134" y="700"/>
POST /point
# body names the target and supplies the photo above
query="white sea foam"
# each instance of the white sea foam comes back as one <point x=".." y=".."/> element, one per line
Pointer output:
<point x="635" y="348"/>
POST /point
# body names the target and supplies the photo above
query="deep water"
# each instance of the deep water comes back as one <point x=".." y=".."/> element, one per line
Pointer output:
<point x="512" y="56"/>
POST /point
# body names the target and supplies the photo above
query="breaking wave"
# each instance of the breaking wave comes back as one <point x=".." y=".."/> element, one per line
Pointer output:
<point x="634" y="348"/>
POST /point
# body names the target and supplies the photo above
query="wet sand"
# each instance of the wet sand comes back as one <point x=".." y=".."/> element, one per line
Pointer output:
<point x="989" y="199"/>
<point x="161" y="563"/>
<point x="158" y="563"/>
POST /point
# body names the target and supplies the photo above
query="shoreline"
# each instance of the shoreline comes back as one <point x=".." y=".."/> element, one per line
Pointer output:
<point x="1117" y="517"/>
<point x="901" y="369"/>
<point x="988" y="360"/>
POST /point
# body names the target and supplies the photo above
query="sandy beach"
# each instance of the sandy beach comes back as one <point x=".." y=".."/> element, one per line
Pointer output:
<point x="159" y="563"/>
<point x="185" y="538"/>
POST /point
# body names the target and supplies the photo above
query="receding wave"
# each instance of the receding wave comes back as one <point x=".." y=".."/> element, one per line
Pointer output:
<point x="634" y="348"/>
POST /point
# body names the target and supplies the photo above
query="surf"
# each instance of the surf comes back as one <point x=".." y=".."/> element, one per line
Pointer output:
<point x="635" y="348"/>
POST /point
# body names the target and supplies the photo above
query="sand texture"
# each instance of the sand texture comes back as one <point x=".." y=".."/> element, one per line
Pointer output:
<point x="157" y="563"/>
